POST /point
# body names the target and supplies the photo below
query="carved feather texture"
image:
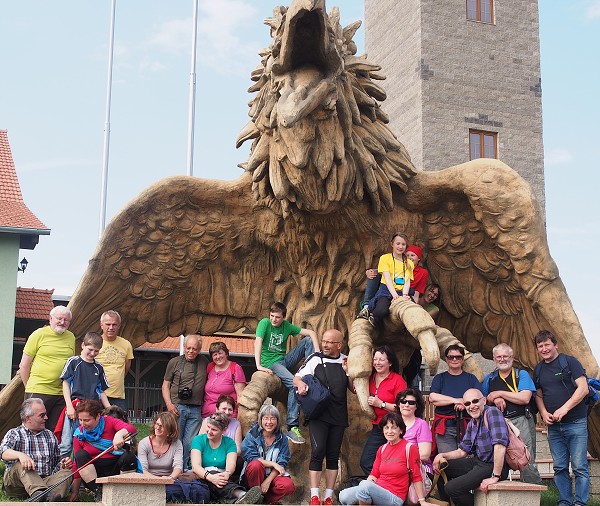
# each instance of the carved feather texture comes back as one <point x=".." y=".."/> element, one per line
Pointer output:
<point x="314" y="209"/>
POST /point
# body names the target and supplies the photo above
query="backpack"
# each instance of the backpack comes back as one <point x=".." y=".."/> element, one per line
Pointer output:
<point x="593" y="384"/>
<point x="531" y="407"/>
<point x="517" y="455"/>
<point x="232" y="365"/>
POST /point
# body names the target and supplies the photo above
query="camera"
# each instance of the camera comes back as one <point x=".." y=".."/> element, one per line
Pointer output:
<point x="185" y="393"/>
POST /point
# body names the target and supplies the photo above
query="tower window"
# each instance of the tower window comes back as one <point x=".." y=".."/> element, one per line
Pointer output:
<point x="482" y="144"/>
<point x="480" y="10"/>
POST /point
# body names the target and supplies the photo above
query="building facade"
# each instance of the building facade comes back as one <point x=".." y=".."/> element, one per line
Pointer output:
<point x="463" y="80"/>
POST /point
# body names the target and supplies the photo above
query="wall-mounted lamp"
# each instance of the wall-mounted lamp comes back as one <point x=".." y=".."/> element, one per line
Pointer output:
<point x="24" y="264"/>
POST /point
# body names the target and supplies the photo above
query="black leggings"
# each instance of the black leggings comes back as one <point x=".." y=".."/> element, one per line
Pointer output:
<point x="325" y="442"/>
<point x="382" y="308"/>
<point x="107" y="466"/>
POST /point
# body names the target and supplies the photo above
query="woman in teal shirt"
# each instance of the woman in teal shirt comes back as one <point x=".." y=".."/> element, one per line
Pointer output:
<point x="214" y="457"/>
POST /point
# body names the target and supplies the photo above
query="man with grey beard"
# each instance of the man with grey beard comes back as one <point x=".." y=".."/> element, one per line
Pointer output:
<point x="44" y="356"/>
<point x="511" y="390"/>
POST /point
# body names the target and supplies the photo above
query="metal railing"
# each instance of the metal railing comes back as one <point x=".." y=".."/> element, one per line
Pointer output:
<point x="143" y="402"/>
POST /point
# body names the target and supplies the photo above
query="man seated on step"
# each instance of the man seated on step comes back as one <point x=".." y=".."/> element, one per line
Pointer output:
<point x="32" y="457"/>
<point x="479" y="460"/>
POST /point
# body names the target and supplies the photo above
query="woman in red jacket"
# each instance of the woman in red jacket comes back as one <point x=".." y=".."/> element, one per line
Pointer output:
<point x="95" y="434"/>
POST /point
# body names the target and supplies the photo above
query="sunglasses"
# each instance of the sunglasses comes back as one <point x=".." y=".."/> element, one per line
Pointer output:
<point x="406" y="401"/>
<point x="454" y="357"/>
<point x="474" y="401"/>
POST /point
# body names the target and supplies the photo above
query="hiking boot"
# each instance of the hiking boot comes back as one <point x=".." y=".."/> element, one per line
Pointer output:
<point x="364" y="313"/>
<point x="253" y="496"/>
<point x="314" y="500"/>
<point x="294" y="436"/>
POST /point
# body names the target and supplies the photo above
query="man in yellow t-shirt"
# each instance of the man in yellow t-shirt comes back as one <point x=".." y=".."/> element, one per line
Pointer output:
<point x="116" y="355"/>
<point x="44" y="356"/>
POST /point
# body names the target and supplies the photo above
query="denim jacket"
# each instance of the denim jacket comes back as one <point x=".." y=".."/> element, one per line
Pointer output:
<point x="253" y="448"/>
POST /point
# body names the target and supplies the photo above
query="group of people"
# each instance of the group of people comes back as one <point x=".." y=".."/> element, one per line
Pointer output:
<point x="198" y="441"/>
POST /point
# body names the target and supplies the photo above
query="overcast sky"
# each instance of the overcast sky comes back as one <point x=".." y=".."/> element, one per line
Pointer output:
<point x="52" y="101"/>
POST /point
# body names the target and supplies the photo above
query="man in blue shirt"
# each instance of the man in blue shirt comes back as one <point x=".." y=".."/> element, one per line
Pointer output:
<point x="479" y="460"/>
<point x="561" y="391"/>
<point x="511" y="390"/>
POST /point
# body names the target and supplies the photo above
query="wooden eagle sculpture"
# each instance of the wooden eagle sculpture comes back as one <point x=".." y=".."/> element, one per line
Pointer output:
<point x="325" y="186"/>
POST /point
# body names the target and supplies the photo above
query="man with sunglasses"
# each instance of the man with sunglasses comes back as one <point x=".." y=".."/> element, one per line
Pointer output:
<point x="446" y="394"/>
<point x="479" y="460"/>
<point x="511" y="390"/>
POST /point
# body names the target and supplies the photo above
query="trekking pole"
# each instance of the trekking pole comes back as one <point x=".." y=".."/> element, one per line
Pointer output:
<point x="39" y="495"/>
<point x="459" y="417"/>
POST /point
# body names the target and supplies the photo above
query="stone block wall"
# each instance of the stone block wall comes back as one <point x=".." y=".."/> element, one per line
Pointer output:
<point x="447" y="74"/>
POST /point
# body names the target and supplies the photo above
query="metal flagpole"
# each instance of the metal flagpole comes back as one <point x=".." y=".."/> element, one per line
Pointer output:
<point x="192" y="97"/>
<point x="107" y="121"/>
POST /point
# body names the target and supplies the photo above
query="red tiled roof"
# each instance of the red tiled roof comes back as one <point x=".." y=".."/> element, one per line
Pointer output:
<point x="13" y="211"/>
<point x="236" y="345"/>
<point x="33" y="304"/>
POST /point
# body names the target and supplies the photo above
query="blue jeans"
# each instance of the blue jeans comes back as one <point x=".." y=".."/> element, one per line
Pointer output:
<point x="372" y="287"/>
<point x="66" y="442"/>
<point x="568" y="441"/>
<point x="122" y="403"/>
<point x="369" y="492"/>
<point x="190" y="419"/>
<point x="372" y="444"/>
<point x="283" y="370"/>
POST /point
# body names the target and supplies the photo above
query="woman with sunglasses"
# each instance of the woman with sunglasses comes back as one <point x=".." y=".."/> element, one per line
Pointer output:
<point x="267" y="453"/>
<point x="390" y="478"/>
<point x="384" y="385"/>
<point x="446" y="394"/>
<point x="411" y="408"/>
<point x="226" y="404"/>
<point x="213" y="458"/>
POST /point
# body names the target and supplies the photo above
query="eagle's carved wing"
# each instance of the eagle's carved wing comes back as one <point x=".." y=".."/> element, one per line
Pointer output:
<point x="187" y="255"/>
<point x="486" y="246"/>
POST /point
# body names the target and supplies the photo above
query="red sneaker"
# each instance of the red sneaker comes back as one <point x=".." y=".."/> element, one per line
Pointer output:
<point x="315" y="500"/>
<point x="328" y="501"/>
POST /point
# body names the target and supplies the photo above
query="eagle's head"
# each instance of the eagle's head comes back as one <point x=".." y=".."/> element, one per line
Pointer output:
<point x="320" y="137"/>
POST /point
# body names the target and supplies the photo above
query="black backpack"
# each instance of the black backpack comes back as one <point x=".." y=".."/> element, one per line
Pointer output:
<point x="590" y="399"/>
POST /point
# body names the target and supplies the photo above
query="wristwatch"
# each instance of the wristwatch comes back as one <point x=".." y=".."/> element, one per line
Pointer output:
<point x="494" y="475"/>
<point x="383" y="404"/>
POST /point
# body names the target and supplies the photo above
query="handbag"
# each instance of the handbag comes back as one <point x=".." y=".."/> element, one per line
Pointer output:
<point x="412" y="498"/>
<point x="317" y="396"/>
<point x="517" y="454"/>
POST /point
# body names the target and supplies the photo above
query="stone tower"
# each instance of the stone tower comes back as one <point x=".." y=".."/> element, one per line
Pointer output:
<point x="463" y="80"/>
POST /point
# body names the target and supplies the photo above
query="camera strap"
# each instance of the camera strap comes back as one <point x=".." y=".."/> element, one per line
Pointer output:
<point x="182" y="363"/>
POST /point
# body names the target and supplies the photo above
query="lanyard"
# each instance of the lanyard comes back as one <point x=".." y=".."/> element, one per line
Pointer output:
<point x="514" y="381"/>
<point x="394" y="273"/>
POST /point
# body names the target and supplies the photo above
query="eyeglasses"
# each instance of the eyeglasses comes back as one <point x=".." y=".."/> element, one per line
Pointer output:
<point x="474" y="401"/>
<point x="324" y="341"/>
<point x="454" y="357"/>
<point x="43" y="415"/>
<point x="406" y="401"/>
<point x="503" y="357"/>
